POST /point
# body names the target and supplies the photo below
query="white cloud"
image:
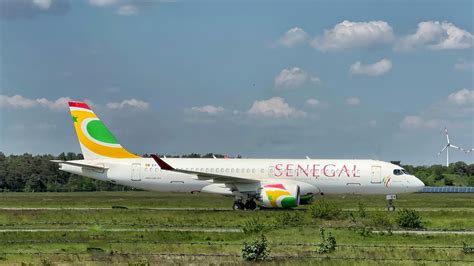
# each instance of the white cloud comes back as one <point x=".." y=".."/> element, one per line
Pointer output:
<point x="436" y="35"/>
<point x="131" y="103"/>
<point x="315" y="80"/>
<point x="208" y="109"/>
<point x="20" y="102"/>
<point x="102" y="2"/>
<point x="274" y="107"/>
<point x="311" y="102"/>
<point x="462" y="64"/>
<point x="60" y="103"/>
<point x="43" y="4"/>
<point x="293" y="78"/>
<point x="455" y="110"/>
<point x="376" y="69"/>
<point x="347" y="34"/>
<point x="127" y="10"/>
<point x="17" y="101"/>
<point x="414" y="122"/>
<point x="353" y="101"/>
<point x="461" y="97"/>
<point x="293" y="37"/>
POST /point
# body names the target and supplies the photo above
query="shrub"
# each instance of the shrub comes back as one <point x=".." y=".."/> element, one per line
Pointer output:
<point x="381" y="220"/>
<point x="141" y="262"/>
<point x="328" y="244"/>
<point x="289" y="218"/>
<point x="46" y="262"/>
<point x="324" y="210"/>
<point x="362" y="211"/>
<point x="364" y="231"/>
<point x="409" y="218"/>
<point x="252" y="226"/>
<point x="466" y="249"/>
<point x="448" y="181"/>
<point x="256" y="250"/>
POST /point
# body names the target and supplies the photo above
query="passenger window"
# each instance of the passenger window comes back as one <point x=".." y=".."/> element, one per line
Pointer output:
<point x="262" y="171"/>
<point x="232" y="170"/>
<point x="227" y="170"/>
<point x="237" y="170"/>
<point x="253" y="171"/>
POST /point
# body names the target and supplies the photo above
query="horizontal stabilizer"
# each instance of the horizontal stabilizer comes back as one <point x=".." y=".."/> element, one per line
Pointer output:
<point x="93" y="167"/>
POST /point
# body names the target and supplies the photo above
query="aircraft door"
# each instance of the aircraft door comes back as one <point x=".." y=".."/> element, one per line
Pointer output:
<point x="376" y="174"/>
<point x="136" y="167"/>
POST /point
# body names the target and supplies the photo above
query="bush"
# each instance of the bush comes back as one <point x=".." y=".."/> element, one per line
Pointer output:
<point x="324" y="210"/>
<point x="466" y="249"/>
<point x="409" y="218"/>
<point x="362" y="211"/>
<point x="364" y="231"/>
<point x="257" y="250"/>
<point x="252" y="226"/>
<point x="381" y="220"/>
<point x="328" y="244"/>
<point x="289" y="218"/>
<point x="448" y="181"/>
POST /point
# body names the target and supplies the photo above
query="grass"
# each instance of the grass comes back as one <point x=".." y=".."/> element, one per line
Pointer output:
<point x="96" y="245"/>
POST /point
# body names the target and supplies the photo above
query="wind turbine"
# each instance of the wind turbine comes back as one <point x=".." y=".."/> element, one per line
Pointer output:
<point x="448" y="145"/>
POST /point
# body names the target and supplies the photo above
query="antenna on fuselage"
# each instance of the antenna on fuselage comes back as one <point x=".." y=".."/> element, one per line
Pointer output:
<point x="307" y="158"/>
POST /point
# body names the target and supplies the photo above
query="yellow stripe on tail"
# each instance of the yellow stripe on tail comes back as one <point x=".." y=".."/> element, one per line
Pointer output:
<point x="95" y="139"/>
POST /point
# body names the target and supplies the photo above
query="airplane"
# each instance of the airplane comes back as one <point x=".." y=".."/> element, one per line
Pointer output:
<point x="273" y="183"/>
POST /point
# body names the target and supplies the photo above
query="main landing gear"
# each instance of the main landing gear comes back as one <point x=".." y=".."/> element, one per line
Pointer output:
<point x="390" y="205"/>
<point x="248" y="205"/>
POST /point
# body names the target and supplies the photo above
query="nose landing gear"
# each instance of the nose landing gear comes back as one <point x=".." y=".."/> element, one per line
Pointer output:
<point x="390" y="205"/>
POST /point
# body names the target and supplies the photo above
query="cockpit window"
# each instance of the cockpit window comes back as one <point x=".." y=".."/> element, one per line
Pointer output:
<point x="405" y="172"/>
<point x="398" y="172"/>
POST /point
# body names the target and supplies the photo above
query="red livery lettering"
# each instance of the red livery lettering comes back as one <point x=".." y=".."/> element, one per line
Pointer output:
<point x="325" y="170"/>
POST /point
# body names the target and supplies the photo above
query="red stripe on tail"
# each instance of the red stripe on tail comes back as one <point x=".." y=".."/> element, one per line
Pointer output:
<point x="79" y="104"/>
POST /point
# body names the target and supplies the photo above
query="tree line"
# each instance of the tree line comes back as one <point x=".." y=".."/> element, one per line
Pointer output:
<point x="36" y="173"/>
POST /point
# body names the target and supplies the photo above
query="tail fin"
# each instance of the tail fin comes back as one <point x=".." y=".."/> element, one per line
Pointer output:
<point x="95" y="139"/>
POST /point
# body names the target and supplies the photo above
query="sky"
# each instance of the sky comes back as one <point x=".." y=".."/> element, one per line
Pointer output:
<point x="261" y="79"/>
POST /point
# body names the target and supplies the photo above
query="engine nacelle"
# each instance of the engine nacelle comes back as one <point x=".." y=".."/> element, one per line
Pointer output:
<point x="280" y="195"/>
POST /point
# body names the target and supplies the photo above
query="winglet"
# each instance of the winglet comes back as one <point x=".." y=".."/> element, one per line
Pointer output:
<point x="161" y="163"/>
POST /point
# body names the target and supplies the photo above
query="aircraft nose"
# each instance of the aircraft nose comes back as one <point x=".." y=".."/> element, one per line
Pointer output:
<point x="417" y="184"/>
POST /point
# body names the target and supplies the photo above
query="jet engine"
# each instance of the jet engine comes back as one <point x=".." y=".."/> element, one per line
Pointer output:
<point x="280" y="195"/>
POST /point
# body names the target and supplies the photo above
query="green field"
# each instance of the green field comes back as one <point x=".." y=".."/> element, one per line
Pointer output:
<point x="168" y="228"/>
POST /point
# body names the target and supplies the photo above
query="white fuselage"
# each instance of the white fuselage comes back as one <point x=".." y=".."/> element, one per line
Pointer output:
<point x="312" y="176"/>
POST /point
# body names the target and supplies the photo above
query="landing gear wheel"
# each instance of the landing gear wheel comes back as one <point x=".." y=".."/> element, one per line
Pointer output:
<point x="250" y="205"/>
<point x="238" y="205"/>
<point x="390" y="205"/>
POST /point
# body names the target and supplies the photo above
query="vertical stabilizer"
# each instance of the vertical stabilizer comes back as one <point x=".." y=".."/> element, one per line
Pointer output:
<point x="95" y="139"/>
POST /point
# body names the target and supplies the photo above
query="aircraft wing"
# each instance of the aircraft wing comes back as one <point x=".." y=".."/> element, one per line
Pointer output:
<point x="205" y="176"/>
<point x="93" y="167"/>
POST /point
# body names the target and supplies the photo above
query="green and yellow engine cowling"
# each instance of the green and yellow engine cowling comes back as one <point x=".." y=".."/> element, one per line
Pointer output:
<point x="280" y="196"/>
